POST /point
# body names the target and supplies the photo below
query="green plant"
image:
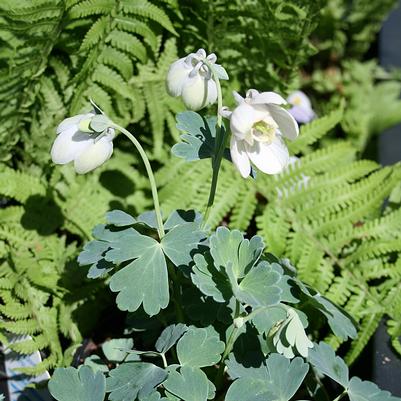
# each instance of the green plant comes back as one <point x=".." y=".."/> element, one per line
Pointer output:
<point x="54" y="55"/>
<point x="230" y="320"/>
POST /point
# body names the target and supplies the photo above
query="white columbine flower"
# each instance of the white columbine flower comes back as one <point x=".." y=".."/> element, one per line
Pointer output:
<point x="301" y="108"/>
<point x="258" y="124"/>
<point x="190" y="78"/>
<point x="77" y="142"/>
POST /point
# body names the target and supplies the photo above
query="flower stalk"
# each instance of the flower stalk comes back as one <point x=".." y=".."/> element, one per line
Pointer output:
<point x="152" y="181"/>
<point x="220" y="141"/>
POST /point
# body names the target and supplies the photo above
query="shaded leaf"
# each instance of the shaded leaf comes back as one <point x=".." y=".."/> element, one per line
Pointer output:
<point x="324" y="359"/>
<point x="170" y="336"/>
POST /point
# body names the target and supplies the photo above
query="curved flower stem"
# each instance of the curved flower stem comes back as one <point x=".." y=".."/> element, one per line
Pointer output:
<point x="220" y="141"/>
<point x="151" y="177"/>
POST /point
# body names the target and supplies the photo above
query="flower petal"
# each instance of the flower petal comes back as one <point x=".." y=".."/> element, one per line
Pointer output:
<point x="267" y="97"/>
<point x="270" y="159"/>
<point x="72" y="122"/>
<point x="298" y="98"/>
<point x="286" y="122"/>
<point x="244" y="116"/>
<point x="225" y="112"/>
<point x="198" y="92"/>
<point x="94" y="155"/>
<point x="68" y="145"/>
<point x="240" y="157"/>
<point x="177" y="76"/>
<point x="302" y="114"/>
<point x="238" y="98"/>
<point x="211" y="92"/>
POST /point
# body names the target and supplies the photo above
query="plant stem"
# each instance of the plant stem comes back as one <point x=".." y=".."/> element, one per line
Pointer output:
<point x="343" y="394"/>
<point x="227" y="349"/>
<point x="175" y="287"/>
<point x="219" y="144"/>
<point x="151" y="177"/>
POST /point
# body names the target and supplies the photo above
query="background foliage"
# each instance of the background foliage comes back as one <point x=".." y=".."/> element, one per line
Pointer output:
<point x="326" y="213"/>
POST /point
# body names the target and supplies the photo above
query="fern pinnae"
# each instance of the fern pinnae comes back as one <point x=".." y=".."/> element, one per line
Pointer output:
<point x="244" y="207"/>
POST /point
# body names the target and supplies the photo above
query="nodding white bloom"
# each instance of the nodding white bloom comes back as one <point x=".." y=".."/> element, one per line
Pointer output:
<point x="258" y="125"/>
<point x="190" y="78"/>
<point x="76" y="141"/>
<point x="301" y="108"/>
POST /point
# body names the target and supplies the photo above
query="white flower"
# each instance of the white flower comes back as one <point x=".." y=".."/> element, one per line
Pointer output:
<point x="258" y="124"/>
<point x="88" y="150"/>
<point x="190" y="78"/>
<point x="301" y="108"/>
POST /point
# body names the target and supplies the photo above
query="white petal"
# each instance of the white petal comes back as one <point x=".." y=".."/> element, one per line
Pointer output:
<point x="270" y="159"/>
<point x="211" y="92"/>
<point x="240" y="157"/>
<point x="286" y="122"/>
<point x="244" y="116"/>
<point x="268" y="97"/>
<point x="94" y="155"/>
<point x="251" y="93"/>
<point x="201" y="53"/>
<point x="298" y="98"/>
<point x="199" y="92"/>
<point x="177" y="76"/>
<point x="212" y="58"/>
<point x="225" y="112"/>
<point x="68" y="145"/>
<point x="238" y="98"/>
<point x="72" y="122"/>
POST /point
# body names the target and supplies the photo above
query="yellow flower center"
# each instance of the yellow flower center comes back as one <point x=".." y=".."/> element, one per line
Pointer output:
<point x="296" y="101"/>
<point x="264" y="131"/>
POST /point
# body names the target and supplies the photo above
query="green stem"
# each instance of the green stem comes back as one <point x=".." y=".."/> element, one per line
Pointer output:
<point x="343" y="394"/>
<point x="151" y="177"/>
<point x="176" y="290"/>
<point x="219" y="143"/>
<point x="228" y="348"/>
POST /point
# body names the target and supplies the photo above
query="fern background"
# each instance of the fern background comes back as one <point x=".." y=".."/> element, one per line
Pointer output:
<point x="325" y="213"/>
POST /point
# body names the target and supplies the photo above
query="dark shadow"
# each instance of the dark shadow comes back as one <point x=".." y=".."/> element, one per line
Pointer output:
<point x="42" y="214"/>
<point x="117" y="183"/>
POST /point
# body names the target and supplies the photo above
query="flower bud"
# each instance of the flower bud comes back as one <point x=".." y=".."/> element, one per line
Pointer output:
<point x="191" y="78"/>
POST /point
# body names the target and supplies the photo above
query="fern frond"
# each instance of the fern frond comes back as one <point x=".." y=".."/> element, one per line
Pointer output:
<point x="316" y="129"/>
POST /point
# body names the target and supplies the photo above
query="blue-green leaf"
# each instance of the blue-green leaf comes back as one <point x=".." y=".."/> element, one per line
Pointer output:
<point x="360" y="390"/>
<point x="198" y="136"/>
<point x="83" y="384"/>
<point x="119" y="218"/>
<point x="143" y="281"/>
<point x="230" y="246"/>
<point x="324" y="359"/>
<point x="210" y="280"/>
<point x="277" y="379"/>
<point x="178" y="217"/>
<point x="190" y="384"/>
<point x="116" y="349"/>
<point x="199" y="347"/>
<point x="133" y="379"/>
<point x="170" y="335"/>
<point x="179" y="243"/>
<point x="258" y="287"/>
